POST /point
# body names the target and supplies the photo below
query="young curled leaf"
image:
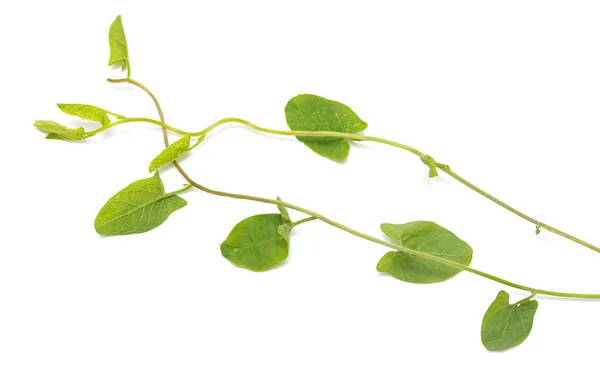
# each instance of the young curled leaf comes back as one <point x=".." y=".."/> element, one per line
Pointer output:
<point x="427" y="237"/>
<point x="257" y="243"/>
<point x="284" y="212"/>
<point x="139" y="207"/>
<point x="172" y="152"/>
<point x="308" y="112"/>
<point x="87" y="112"/>
<point x="58" y="131"/>
<point x="507" y="325"/>
<point x="430" y="162"/>
<point x="119" y="53"/>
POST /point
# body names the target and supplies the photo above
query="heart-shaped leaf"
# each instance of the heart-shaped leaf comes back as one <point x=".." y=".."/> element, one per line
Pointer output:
<point x="139" y="207"/>
<point x="308" y="112"/>
<point x="58" y="131"/>
<point x="427" y="237"/>
<point x="507" y="325"/>
<point x="256" y="243"/>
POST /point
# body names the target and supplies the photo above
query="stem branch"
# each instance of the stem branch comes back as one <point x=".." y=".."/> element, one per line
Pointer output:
<point x="301" y="221"/>
<point x="332" y="222"/>
<point x="349" y="136"/>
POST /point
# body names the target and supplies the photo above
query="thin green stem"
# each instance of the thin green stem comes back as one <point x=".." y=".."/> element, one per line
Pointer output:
<point x="185" y="188"/>
<point x="301" y="221"/>
<point x="200" y="139"/>
<point x="137" y="119"/>
<point x="348" y="229"/>
<point x="349" y="136"/>
<point x="527" y="299"/>
<point x="536" y="222"/>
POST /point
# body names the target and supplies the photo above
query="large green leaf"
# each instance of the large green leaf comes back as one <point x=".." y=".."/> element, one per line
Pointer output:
<point x="427" y="237"/>
<point x="308" y="112"/>
<point x="256" y="242"/>
<point x="58" y="131"/>
<point x="172" y="153"/>
<point x="87" y="112"/>
<point x="139" y="207"/>
<point x="507" y="325"/>
<point x="119" y="54"/>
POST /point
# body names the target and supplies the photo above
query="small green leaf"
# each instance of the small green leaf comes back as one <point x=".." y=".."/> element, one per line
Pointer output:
<point x="172" y="153"/>
<point x="256" y="243"/>
<point x="285" y="215"/>
<point x="87" y="112"/>
<point x="119" y="54"/>
<point x="537" y="230"/>
<point x="139" y="207"/>
<point x="427" y="237"/>
<point x="308" y="112"/>
<point x="507" y="325"/>
<point x="57" y="131"/>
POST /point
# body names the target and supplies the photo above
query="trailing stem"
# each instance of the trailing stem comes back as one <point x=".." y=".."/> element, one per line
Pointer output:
<point x="333" y="223"/>
<point x="350" y="136"/>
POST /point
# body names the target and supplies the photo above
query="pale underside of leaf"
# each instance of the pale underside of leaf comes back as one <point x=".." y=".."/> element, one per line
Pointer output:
<point x="426" y="237"/>
<point x="171" y="153"/>
<point x="58" y="131"/>
<point x="284" y="230"/>
<point x="138" y="208"/>
<point x="308" y="112"/>
<point x="507" y="325"/>
<point x="119" y="53"/>
<point x="86" y="112"/>
<point x="285" y="215"/>
<point x="255" y="243"/>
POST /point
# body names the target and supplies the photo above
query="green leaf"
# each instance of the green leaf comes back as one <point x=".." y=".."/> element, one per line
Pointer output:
<point x="119" y="54"/>
<point x="285" y="230"/>
<point x="285" y="215"/>
<point x="308" y="112"/>
<point x="507" y="325"/>
<point x="256" y="243"/>
<point x="57" y="131"/>
<point x="87" y="112"/>
<point x="139" y="207"/>
<point x="173" y="152"/>
<point x="427" y="237"/>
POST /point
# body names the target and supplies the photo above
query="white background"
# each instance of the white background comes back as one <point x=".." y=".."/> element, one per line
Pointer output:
<point x="507" y="93"/>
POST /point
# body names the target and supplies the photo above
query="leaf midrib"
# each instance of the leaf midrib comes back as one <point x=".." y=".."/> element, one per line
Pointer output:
<point x="164" y="196"/>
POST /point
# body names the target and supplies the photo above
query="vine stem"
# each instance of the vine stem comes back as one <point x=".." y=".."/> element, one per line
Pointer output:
<point x="357" y="137"/>
<point x="526" y="299"/>
<point x="341" y="226"/>
<point x="301" y="221"/>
